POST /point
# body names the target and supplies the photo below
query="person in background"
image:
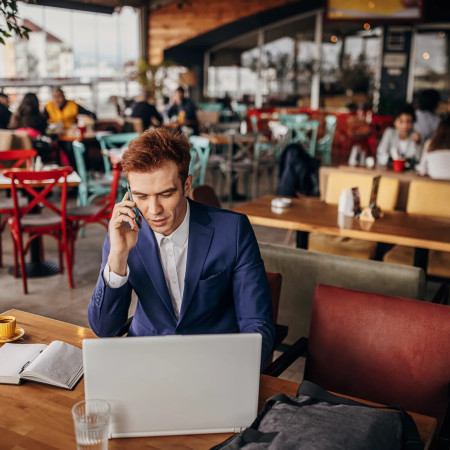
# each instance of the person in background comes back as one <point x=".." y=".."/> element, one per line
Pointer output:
<point x="435" y="160"/>
<point x="146" y="111"/>
<point x="61" y="110"/>
<point x="28" y="117"/>
<point x="195" y="269"/>
<point x="401" y="141"/>
<point x="180" y="104"/>
<point x="426" y="118"/>
<point x="5" y="113"/>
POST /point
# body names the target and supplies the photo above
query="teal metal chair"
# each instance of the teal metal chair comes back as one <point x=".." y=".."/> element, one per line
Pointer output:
<point x="112" y="141"/>
<point x="288" y="119"/>
<point x="211" y="106"/>
<point x="200" y="150"/>
<point x="89" y="187"/>
<point x="304" y="133"/>
<point x="325" y="144"/>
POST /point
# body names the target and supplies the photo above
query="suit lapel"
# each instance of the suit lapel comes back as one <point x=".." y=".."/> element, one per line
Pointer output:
<point x="200" y="237"/>
<point x="147" y="249"/>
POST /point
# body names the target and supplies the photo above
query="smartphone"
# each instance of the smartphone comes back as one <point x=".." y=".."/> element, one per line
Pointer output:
<point x="137" y="219"/>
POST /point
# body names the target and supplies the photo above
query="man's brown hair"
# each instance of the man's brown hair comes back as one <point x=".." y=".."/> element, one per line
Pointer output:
<point x="154" y="148"/>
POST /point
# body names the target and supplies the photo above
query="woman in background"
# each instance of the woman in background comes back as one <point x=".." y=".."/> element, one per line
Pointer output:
<point x="435" y="160"/>
<point x="28" y="118"/>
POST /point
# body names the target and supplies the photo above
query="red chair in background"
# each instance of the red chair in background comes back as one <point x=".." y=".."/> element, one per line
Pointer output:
<point x="379" y="125"/>
<point x="80" y="216"/>
<point x="38" y="225"/>
<point x="20" y="158"/>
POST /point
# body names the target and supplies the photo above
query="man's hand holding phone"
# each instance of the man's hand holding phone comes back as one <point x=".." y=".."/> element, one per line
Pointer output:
<point x="123" y="233"/>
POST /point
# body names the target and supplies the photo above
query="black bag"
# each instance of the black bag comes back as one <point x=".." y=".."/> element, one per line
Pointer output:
<point x="318" y="420"/>
<point x="298" y="172"/>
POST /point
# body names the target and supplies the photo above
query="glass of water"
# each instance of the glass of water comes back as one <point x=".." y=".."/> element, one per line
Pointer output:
<point x="91" y="422"/>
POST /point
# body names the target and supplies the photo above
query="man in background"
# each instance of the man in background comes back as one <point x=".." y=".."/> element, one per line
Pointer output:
<point x="146" y="111"/>
<point x="184" y="108"/>
<point x="61" y="110"/>
<point x="5" y="113"/>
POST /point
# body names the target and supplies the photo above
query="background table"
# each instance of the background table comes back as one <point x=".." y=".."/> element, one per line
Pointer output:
<point x="35" y="416"/>
<point x="395" y="227"/>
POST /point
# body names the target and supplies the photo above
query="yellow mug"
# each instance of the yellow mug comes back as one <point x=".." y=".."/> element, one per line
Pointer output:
<point x="7" y="326"/>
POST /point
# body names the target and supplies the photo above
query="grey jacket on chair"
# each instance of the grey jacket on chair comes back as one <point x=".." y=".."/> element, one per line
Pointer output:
<point x="302" y="270"/>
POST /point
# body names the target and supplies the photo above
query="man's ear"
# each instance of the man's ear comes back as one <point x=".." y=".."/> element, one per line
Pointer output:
<point x="188" y="185"/>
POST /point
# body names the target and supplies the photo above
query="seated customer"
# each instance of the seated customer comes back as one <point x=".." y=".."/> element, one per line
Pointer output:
<point x="195" y="269"/>
<point x="65" y="112"/>
<point x="180" y="104"/>
<point x="426" y="118"/>
<point x="5" y="113"/>
<point x="435" y="160"/>
<point x="28" y="117"/>
<point x="400" y="142"/>
<point x="146" y="111"/>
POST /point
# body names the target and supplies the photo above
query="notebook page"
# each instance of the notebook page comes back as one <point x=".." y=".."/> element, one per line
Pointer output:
<point x="57" y="364"/>
<point x="14" y="356"/>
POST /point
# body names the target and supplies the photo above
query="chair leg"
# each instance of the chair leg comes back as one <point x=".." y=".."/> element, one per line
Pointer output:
<point x="69" y="260"/>
<point x="22" y="263"/>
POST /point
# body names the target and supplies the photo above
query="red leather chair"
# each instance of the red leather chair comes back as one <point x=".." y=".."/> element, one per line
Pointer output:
<point x="20" y="158"/>
<point x="37" y="225"/>
<point x="389" y="350"/>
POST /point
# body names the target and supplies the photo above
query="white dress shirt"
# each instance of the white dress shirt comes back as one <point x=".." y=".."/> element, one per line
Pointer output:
<point x="173" y="256"/>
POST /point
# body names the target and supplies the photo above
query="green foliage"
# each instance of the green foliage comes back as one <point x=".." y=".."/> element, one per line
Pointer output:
<point x="10" y="22"/>
<point x="151" y="77"/>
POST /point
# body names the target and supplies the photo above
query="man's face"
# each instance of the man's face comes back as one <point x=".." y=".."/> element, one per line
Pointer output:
<point x="178" y="97"/>
<point x="404" y="124"/>
<point x="160" y="197"/>
<point x="58" y="98"/>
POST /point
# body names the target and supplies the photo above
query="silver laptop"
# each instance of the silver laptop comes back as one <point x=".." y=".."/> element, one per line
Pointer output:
<point x="166" y="385"/>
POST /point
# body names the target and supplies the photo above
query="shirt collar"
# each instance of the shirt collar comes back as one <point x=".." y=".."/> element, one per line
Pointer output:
<point x="180" y="235"/>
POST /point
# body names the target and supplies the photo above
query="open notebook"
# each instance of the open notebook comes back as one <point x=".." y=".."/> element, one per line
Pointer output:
<point x="165" y="385"/>
<point x="59" y="364"/>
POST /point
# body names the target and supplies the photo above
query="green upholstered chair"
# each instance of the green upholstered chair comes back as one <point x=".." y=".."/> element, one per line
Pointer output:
<point x="302" y="270"/>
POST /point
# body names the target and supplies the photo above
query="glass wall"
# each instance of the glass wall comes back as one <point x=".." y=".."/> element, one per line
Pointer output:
<point x="85" y="52"/>
<point x="431" y="64"/>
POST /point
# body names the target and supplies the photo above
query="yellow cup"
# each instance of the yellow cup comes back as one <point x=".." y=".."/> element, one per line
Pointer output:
<point x="7" y="326"/>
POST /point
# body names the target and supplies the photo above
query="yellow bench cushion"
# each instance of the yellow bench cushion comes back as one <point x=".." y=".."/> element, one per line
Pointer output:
<point x="387" y="190"/>
<point x="337" y="245"/>
<point x="429" y="198"/>
<point x="438" y="262"/>
<point x="386" y="200"/>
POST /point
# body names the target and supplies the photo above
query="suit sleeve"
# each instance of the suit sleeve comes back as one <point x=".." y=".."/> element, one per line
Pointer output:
<point x="251" y="289"/>
<point x="108" y="308"/>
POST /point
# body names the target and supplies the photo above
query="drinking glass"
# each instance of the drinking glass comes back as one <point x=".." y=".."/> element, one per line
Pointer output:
<point x="91" y="422"/>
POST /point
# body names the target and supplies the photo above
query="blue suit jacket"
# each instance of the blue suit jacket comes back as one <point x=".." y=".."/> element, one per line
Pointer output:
<point x="225" y="290"/>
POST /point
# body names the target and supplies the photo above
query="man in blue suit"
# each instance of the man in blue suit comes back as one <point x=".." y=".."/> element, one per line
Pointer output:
<point x="195" y="269"/>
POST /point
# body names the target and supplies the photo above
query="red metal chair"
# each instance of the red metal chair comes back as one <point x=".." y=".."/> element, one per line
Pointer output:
<point x="55" y="225"/>
<point x="21" y="157"/>
<point x="100" y="213"/>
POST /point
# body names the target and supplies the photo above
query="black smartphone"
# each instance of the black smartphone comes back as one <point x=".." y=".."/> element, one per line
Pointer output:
<point x="137" y="219"/>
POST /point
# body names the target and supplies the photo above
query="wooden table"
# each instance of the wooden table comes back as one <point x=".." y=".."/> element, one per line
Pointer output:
<point x="35" y="416"/>
<point x="404" y="178"/>
<point x="396" y="227"/>
<point x="73" y="180"/>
